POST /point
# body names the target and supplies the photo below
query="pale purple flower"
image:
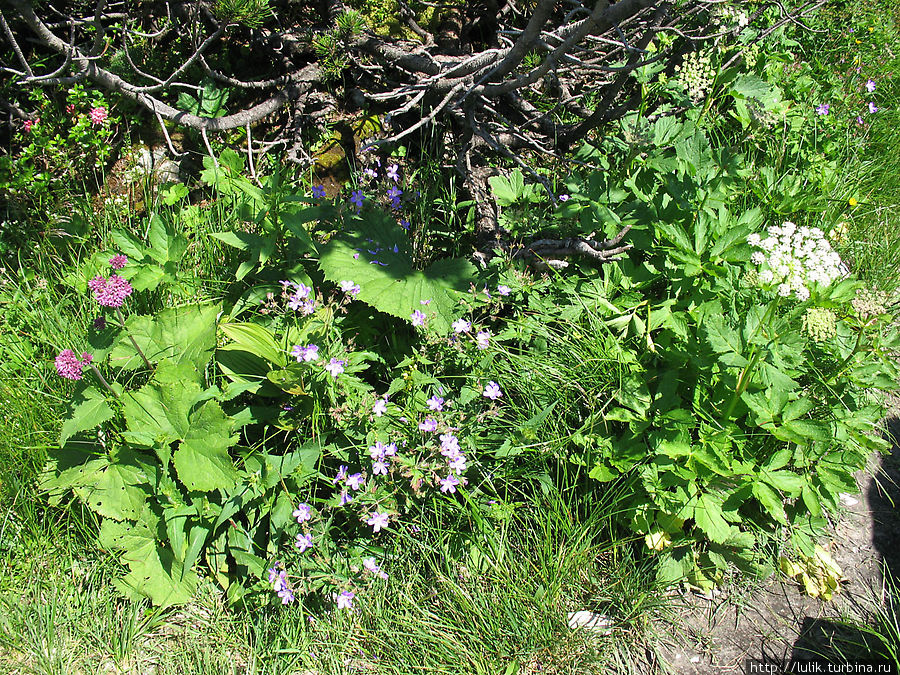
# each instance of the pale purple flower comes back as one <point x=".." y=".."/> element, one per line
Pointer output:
<point x="404" y="224"/>
<point x="335" y="367"/>
<point x="372" y="566"/>
<point x="379" y="408"/>
<point x="357" y="198"/>
<point x="418" y="318"/>
<point x="302" y="513"/>
<point x="377" y="451"/>
<point x="390" y="450"/>
<point x="302" y="291"/>
<point x="118" y="261"/>
<point x="345" y="498"/>
<point x="449" y="444"/>
<point x="859" y="119"/>
<point x="341" y="474"/>
<point x="278" y="578"/>
<point x="563" y="198"/>
<point x="308" y="307"/>
<point x="492" y="391"/>
<point x="318" y="191"/>
<point x="304" y="541"/>
<point x="70" y="366"/>
<point x="449" y="483"/>
<point x="394" y="192"/>
<point x="286" y="595"/>
<point x="392" y="172"/>
<point x="370" y="172"/>
<point x="307" y="354"/>
<point x="110" y="292"/>
<point x="870" y="86"/>
<point x="429" y="425"/>
<point x="483" y="339"/>
<point x="379" y="468"/>
<point x="435" y="403"/>
<point x="872" y="108"/>
<point x="349" y="287"/>
<point x="503" y="290"/>
<point x="822" y="109"/>
<point x="461" y="326"/>
<point x="458" y="463"/>
<point x="378" y="521"/>
<point x="355" y="481"/>
<point x="345" y="600"/>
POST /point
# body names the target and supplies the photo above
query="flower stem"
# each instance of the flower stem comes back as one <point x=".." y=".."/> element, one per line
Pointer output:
<point x="102" y="380"/>
<point x="130" y="337"/>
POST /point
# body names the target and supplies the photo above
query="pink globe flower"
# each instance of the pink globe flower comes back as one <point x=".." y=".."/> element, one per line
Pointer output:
<point x="99" y="116"/>
<point x="110" y="292"/>
<point x="70" y="366"/>
<point x="119" y="261"/>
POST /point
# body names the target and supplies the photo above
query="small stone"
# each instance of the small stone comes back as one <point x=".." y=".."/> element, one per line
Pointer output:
<point x="847" y="500"/>
<point x="589" y="620"/>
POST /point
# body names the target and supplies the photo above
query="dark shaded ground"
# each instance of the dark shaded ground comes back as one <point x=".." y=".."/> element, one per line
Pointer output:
<point x="779" y="622"/>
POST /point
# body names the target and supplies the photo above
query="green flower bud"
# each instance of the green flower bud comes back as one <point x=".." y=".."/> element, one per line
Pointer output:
<point x="820" y="324"/>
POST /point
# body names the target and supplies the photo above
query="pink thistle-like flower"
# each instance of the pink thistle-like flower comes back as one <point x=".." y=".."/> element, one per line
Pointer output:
<point x="117" y="262"/>
<point x="99" y="116"/>
<point x="70" y="366"/>
<point x="110" y="292"/>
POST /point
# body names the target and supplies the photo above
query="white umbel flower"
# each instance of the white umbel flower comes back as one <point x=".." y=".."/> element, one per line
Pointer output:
<point x="792" y="259"/>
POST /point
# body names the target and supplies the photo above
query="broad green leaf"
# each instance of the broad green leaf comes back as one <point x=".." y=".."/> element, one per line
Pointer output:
<point x="771" y="501"/>
<point x="181" y="334"/>
<point x="257" y="340"/>
<point x="166" y="244"/>
<point x="116" y="493"/>
<point x="383" y="268"/>
<point x="155" y="573"/>
<point x="88" y="409"/>
<point x="202" y="460"/>
<point x="709" y="518"/>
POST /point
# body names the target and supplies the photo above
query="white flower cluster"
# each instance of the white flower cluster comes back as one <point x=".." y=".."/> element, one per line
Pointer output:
<point x="696" y="75"/>
<point x="727" y="16"/>
<point x="793" y="258"/>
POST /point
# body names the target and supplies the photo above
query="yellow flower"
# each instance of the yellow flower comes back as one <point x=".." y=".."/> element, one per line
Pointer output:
<point x="852" y="201"/>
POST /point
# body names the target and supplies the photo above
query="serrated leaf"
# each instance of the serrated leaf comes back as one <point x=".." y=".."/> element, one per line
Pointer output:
<point x="116" y="493"/>
<point x="88" y="409"/>
<point x="771" y="501"/>
<point x="391" y="284"/>
<point x="709" y="518"/>
<point x="202" y="461"/>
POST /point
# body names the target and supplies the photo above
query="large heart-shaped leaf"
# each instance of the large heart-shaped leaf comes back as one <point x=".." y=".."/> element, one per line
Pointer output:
<point x="374" y="253"/>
